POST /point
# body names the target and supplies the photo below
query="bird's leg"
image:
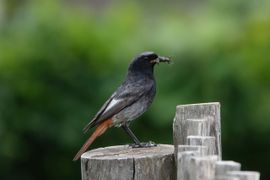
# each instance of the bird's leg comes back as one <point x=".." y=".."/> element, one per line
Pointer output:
<point x="131" y="134"/>
<point x="137" y="143"/>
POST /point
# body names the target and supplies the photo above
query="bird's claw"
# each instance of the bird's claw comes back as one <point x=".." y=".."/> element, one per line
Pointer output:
<point x="143" y="145"/>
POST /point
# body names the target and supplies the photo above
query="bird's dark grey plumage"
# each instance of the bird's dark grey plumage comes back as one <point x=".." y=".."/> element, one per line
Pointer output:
<point x="132" y="98"/>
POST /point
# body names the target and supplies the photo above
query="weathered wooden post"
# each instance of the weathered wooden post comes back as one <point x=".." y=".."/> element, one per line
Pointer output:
<point x="202" y="168"/>
<point x="222" y="167"/>
<point x="184" y="163"/>
<point x="245" y="175"/>
<point x="196" y="127"/>
<point x="126" y="163"/>
<point x="185" y="153"/>
<point x="197" y="120"/>
<point x="207" y="141"/>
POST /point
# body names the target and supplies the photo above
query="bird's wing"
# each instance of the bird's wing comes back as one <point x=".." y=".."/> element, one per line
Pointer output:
<point x="125" y="96"/>
<point x="99" y="113"/>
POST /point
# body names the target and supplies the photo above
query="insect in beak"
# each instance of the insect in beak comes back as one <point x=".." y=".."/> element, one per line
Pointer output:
<point x="161" y="59"/>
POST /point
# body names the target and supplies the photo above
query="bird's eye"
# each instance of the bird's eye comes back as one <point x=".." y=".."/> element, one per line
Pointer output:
<point x="152" y="57"/>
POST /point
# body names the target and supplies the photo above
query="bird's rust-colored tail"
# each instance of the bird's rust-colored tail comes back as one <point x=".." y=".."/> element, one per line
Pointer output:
<point x="99" y="131"/>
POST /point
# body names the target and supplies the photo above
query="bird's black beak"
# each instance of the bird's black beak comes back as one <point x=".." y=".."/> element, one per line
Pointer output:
<point x="161" y="59"/>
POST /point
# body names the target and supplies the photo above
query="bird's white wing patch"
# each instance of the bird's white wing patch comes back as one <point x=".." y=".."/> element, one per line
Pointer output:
<point x="111" y="104"/>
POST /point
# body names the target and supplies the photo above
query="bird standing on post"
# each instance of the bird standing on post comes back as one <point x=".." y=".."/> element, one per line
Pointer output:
<point x="128" y="102"/>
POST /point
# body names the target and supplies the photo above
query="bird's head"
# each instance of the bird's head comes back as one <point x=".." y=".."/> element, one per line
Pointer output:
<point x="145" y="62"/>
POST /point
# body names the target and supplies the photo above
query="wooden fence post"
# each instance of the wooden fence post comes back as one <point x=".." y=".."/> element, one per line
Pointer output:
<point x="126" y="163"/>
<point x="184" y="163"/>
<point x="196" y="127"/>
<point x="245" y="175"/>
<point x="207" y="141"/>
<point x="203" y="168"/>
<point x="207" y="116"/>
<point x="222" y="167"/>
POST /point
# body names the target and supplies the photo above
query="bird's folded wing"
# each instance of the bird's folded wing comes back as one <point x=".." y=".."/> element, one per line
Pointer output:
<point x="101" y="110"/>
<point x="122" y="98"/>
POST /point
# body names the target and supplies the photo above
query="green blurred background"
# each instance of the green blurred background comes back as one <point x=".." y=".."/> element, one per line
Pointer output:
<point x="60" y="60"/>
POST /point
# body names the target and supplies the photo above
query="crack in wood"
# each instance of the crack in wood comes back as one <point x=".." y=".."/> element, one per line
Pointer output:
<point x="134" y="169"/>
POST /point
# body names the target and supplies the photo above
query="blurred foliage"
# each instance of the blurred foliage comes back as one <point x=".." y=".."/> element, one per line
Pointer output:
<point x="59" y="61"/>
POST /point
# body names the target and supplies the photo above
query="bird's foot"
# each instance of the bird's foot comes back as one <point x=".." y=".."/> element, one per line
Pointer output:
<point x="143" y="145"/>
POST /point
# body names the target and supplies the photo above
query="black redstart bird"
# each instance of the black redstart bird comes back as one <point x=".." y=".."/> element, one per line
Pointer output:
<point x="128" y="102"/>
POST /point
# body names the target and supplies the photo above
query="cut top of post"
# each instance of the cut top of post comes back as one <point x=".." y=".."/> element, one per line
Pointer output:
<point x="127" y="152"/>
